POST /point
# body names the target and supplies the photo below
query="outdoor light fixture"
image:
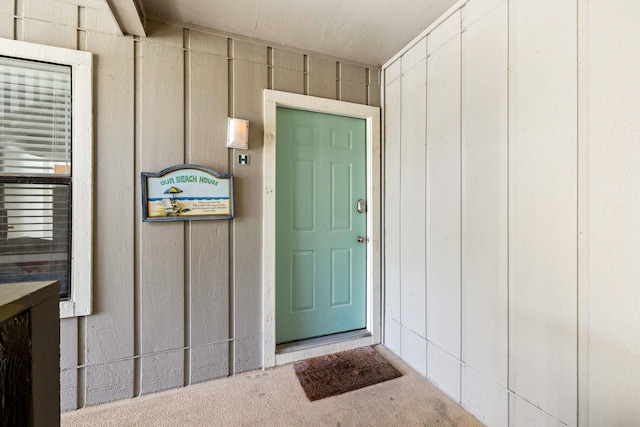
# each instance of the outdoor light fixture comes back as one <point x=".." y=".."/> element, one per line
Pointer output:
<point x="238" y="133"/>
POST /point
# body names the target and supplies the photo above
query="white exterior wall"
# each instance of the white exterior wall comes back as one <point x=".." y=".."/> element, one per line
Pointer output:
<point x="174" y="303"/>
<point x="524" y="124"/>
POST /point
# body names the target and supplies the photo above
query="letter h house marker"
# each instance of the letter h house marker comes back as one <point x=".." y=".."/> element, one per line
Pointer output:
<point x="243" y="159"/>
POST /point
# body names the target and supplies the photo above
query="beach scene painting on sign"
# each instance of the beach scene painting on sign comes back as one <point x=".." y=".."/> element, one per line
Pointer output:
<point x="186" y="192"/>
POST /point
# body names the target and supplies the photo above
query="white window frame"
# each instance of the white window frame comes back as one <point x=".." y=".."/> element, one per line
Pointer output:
<point x="80" y="299"/>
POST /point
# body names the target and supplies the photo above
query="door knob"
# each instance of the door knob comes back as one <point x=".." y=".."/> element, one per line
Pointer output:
<point x="361" y="239"/>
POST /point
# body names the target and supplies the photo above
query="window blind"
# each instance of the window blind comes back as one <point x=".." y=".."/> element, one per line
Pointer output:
<point x="35" y="117"/>
<point x="35" y="172"/>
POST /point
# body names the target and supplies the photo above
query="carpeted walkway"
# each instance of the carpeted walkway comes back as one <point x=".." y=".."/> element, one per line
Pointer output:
<point x="274" y="398"/>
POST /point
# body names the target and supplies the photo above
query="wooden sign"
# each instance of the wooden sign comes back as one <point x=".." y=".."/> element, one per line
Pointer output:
<point x="186" y="192"/>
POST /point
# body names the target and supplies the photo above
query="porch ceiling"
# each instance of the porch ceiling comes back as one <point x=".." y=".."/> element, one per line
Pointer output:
<point x="366" y="31"/>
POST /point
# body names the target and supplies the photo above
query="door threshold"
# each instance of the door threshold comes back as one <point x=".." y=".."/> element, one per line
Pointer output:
<point x="321" y="341"/>
<point x="306" y="349"/>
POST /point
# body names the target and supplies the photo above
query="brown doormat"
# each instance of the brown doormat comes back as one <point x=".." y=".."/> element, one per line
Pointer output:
<point x="338" y="373"/>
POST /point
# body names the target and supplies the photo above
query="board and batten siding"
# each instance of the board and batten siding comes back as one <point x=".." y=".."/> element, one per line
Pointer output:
<point x="174" y="303"/>
<point x="519" y="296"/>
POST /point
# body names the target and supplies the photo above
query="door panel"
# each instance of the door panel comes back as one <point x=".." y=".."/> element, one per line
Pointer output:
<point x="320" y="265"/>
<point x="303" y="183"/>
<point x="340" y="197"/>
<point x="340" y="277"/>
<point x="302" y="263"/>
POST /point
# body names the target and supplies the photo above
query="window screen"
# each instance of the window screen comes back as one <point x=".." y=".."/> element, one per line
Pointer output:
<point x="35" y="172"/>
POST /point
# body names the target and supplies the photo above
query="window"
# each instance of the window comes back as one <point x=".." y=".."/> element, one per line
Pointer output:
<point x="46" y="170"/>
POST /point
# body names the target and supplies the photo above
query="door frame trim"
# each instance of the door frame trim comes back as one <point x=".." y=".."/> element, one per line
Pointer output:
<point x="272" y="100"/>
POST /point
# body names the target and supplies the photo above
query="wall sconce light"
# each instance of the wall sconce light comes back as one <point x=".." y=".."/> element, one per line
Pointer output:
<point x="238" y="133"/>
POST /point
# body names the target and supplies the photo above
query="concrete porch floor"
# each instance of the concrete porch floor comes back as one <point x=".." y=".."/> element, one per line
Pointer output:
<point x="273" y="397"/>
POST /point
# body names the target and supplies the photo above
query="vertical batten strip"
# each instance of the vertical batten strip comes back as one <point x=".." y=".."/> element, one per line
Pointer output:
<point x="270" y="68"/>
<point x="232" y="231"/>
<point x="81" y="44"/>
<point x="401" y="283"/>
<point x="80" y="322"/>
<point x="82" y="28"/>
<point x="461" y="31"/>
<point x="511" y="377"/>
<point x="188" y="144"/>
<point x="368" y="88"/>
<point x="427" y="111"/>
<point x="338" y="81"/>
<point x="306" y="74"/>
<point x="137" y="328"/>
<point x="82" y="370"/>
<point x="18" y="33"/>
<point x="383" y="228"/>
<point x="508" y="179"/>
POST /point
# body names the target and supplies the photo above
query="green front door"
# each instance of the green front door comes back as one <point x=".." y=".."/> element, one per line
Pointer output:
<point x="320" y="262"/>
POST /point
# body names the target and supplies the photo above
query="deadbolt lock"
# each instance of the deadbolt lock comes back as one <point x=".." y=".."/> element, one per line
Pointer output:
<point x="362" y="206"/>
